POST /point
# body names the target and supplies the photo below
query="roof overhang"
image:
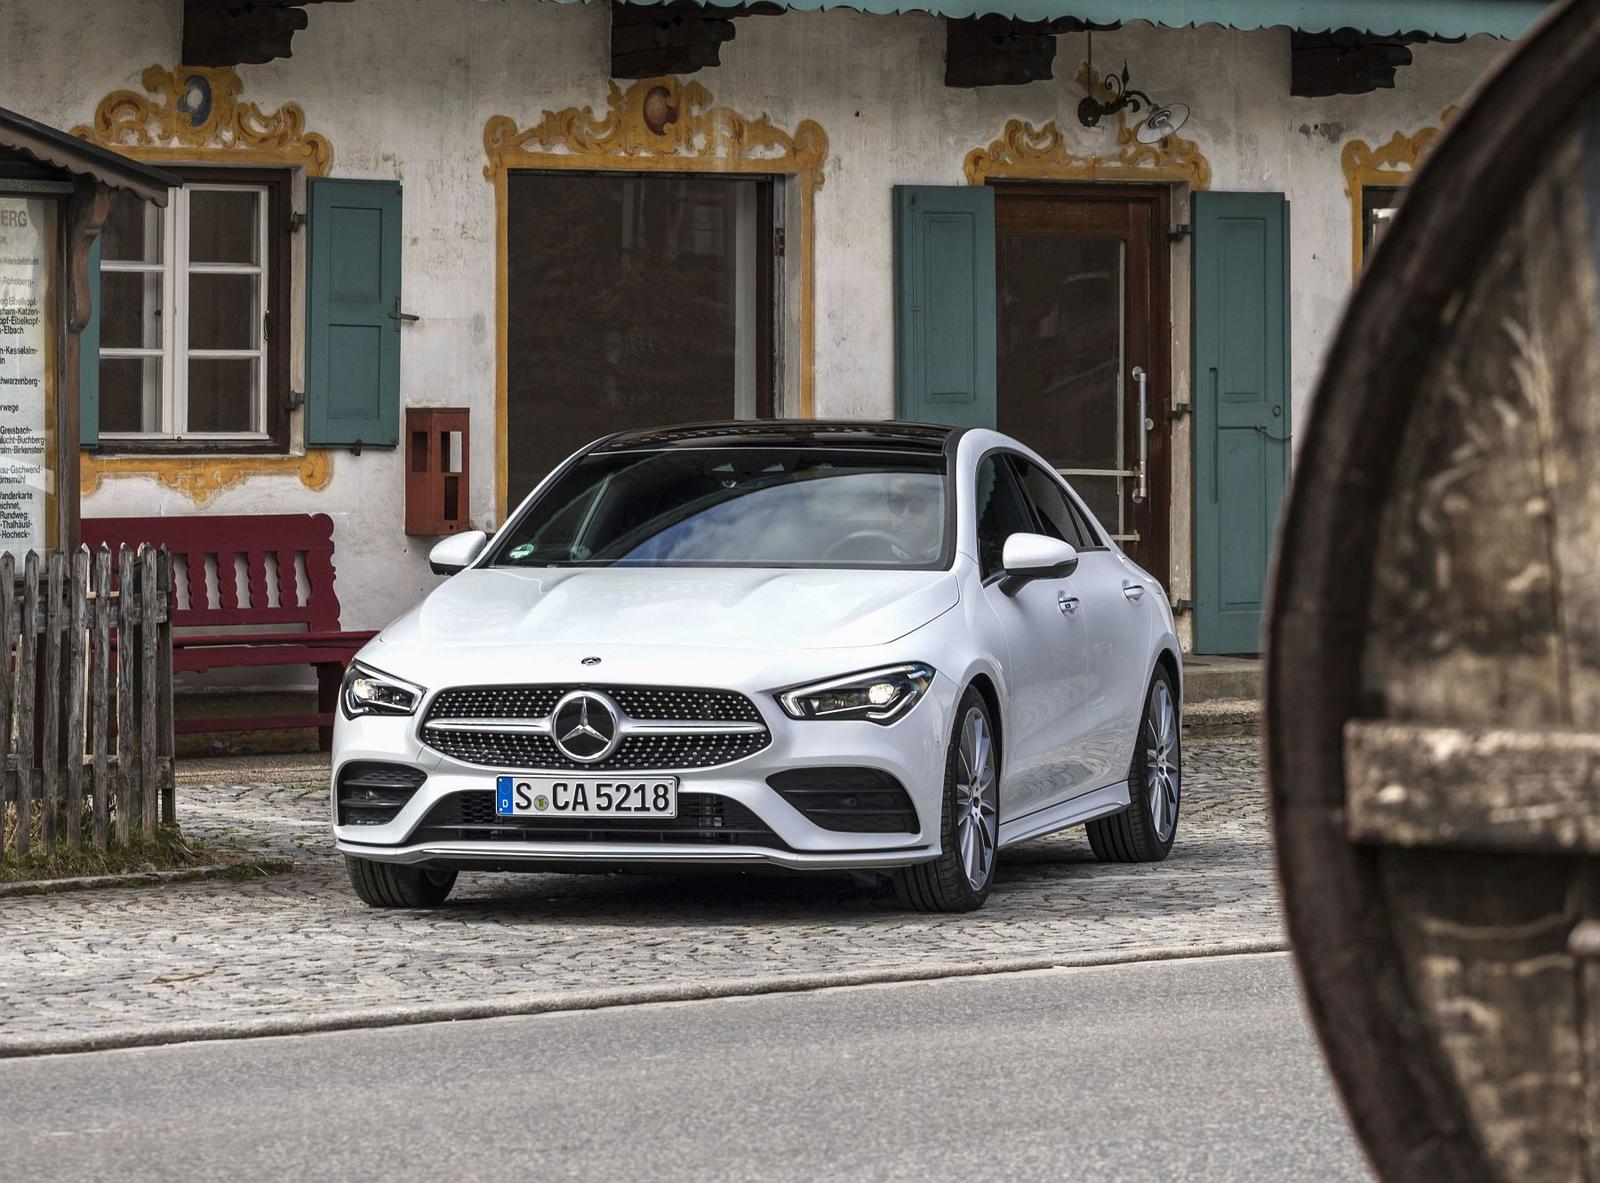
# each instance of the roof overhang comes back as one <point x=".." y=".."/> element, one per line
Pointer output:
<point x="73" y="159"/>
<point x="1442" y="19"/>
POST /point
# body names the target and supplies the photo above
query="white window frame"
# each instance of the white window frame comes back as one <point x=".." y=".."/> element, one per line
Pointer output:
<point x="175" y="268"/>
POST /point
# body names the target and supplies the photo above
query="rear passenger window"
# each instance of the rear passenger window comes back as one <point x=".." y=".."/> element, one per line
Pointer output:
<point x="1001" y="512"/>
<point x="1049" y="502"/>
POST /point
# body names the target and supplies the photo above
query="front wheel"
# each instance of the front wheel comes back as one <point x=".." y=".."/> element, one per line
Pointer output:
<point x="1143" y="832"/>
<point x="969" y="828"/>
<point x="396" y="885"/>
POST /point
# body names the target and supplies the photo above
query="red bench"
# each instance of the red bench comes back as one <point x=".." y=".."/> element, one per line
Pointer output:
<point x="238" y="580"/>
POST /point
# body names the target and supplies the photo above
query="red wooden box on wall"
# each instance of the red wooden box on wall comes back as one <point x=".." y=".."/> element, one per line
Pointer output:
<point x="437" y="444"/>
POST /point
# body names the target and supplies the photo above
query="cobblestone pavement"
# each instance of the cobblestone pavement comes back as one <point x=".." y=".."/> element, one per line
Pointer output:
<point x="101" y="961"/>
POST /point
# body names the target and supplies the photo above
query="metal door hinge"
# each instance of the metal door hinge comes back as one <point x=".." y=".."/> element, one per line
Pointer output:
<point x="406" y="317"/>
<point x="779" y="241"/>
<point x="1183" y="605"/>
<point x="297" y="399"/>
<point x="1181" y="230"/>
<point x="1179" y="410"/>
<point x="298" y="221"/>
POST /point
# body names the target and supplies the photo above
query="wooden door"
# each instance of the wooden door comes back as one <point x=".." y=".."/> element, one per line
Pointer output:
<point x="1083" y="312"/>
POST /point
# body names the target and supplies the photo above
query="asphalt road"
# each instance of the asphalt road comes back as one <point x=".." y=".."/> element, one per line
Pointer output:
<point x="1177" y="1070"/>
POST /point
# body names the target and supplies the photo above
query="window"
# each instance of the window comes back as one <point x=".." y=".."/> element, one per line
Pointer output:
<point x="1056" y="515"/>
<point x="189" y="296"/>
<point x="1378" y="205"/>
<point x="1001" y="512"/>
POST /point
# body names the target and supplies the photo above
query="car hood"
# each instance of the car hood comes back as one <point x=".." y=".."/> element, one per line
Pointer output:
<point x="703" y="608"/>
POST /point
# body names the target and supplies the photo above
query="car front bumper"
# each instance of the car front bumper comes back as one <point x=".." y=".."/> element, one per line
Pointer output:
<point x="913" y="750"/>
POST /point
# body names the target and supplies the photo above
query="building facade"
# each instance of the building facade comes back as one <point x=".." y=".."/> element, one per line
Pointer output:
<point x="453" y="203"/>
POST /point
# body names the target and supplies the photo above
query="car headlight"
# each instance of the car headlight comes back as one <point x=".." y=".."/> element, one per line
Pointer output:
<point x="367" y="691"/>
<point x="878" y="696"/>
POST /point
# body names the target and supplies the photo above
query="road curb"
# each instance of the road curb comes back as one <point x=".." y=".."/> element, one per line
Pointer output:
<point x="127" y="879"/>
<point x="551" y="1003"/>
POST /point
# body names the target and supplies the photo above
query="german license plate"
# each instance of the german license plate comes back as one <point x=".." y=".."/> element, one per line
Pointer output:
<point x="561" y="796"/>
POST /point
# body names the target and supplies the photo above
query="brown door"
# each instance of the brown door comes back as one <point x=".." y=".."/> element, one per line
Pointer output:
<point x="1083" y="311"/>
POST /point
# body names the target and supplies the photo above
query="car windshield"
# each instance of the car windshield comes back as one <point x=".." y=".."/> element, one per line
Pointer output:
<point x="740" y="507"/>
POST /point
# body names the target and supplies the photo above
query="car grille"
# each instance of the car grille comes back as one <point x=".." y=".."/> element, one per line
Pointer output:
<point x="848" y="800"/>
<point x="511" y="749"/>
<point x="704" y="819"/>
<point x="371" y="793"/>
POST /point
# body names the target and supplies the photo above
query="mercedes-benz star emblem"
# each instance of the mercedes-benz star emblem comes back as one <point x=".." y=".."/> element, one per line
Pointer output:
<point x="584" y="726"/>
<point x="591" y="661"/>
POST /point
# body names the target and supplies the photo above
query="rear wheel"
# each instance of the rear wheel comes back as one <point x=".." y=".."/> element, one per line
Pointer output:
<point x="396" y="885"/>
<point x="1143" y="832"/>
<point x="969" y="828"/>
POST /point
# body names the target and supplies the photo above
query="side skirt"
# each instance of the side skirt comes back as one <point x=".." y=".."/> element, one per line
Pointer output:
<point x="1075" y="812"/>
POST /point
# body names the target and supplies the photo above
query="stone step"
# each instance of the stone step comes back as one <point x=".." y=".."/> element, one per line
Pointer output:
<point x="1208" y="679"/>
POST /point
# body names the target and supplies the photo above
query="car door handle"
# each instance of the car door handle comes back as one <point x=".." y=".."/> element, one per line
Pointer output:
<point x="1133" y="591"/>
<point x="1067" y="604"/>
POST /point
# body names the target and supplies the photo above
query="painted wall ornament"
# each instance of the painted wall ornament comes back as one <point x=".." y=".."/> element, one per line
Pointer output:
<point x="1145" y="151"/>
<point x="197" y="108"/>
<point x="1390" y="164"/>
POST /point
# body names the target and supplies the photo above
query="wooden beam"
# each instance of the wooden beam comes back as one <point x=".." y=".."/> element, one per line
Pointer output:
<point x="241" y="32"/>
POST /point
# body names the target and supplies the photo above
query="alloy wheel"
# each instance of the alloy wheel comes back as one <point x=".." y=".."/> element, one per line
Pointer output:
<point x="1163" y="773"/>
<point x="977" y="799"/>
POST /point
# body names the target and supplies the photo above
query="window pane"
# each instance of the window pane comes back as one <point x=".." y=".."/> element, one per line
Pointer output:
<point x="1051" y="503"/>
<point x="132" y="231"/>
<point x="222" y="394"/>
<point x="130" y="394"/>
<point x="130" y="309"/>
<point x="223" y="226"/>
<point x="223" y="311"/>
<point x="1000" y="512"/>
<point x="1103" y="496"/>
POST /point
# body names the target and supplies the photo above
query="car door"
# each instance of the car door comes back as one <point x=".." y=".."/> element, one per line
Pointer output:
<point x="1116" y="606"/>
<point x="1045" y="640"/>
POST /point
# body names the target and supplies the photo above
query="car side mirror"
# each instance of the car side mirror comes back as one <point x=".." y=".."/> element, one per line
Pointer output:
<point x="1035" y="556"/>
<point x="457" y="552"/>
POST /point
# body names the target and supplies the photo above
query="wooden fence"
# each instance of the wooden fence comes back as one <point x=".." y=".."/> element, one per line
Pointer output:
<point x="86" y="708"/>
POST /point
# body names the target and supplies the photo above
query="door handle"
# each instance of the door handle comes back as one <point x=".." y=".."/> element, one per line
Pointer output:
<point x="1067" y="604"/>
<point x="1142" y="489"/>
<point x="1134" y="591"/>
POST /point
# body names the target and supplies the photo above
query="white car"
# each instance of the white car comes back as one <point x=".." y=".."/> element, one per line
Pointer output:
<point x="883" y="648"/>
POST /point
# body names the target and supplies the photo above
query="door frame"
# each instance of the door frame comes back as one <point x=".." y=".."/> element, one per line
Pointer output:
<point x="1159" y="198"/>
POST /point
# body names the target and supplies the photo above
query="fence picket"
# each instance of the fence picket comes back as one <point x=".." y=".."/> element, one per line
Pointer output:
<point x="27" y="700"/>
<point x="50" y="693"/>
<point x="100" y="678"/>
<point x="166" y="722"/>
<point x="150" y="773"/>
<point x="127" y="659"/>
<point x="72" y="740"/>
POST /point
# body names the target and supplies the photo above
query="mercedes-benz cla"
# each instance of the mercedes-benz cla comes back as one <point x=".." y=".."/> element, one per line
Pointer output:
<point x="890" y="649"/>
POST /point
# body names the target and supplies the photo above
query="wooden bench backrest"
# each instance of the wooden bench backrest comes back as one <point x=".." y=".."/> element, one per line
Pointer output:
<point x="270" y="594"/>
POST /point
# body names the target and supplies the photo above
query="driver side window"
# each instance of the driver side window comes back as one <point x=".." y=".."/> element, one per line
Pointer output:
<point x="1001" y="511"/>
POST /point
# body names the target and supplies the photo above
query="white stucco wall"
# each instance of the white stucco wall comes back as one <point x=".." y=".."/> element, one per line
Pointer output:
<point x="402" y="89"/>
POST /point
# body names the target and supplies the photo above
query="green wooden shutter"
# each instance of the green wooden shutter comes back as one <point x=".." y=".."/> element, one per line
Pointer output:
<point x="944" y="318"/>
<point x="89" y="360"/>
<point x="1241" y="400"/>
<point x="353" y="313"/>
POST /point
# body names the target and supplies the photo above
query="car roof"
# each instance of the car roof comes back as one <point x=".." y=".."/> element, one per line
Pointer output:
<point x="801" y="433"/>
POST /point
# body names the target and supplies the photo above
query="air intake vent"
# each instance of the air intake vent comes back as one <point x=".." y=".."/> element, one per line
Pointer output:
<point x="848" y="800"/>
<point x="371" y="793"/>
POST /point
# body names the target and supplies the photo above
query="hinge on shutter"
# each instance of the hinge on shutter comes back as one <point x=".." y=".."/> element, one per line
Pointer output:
<point x="298" y="221"/>
<point x="779" y="240"/>
<point x="1181" y="230"/>
<point x="402" y="316"/>
<point x="1181" y="606"/>
<point x="297" y="399"/>
<point x="1179" y="410"/>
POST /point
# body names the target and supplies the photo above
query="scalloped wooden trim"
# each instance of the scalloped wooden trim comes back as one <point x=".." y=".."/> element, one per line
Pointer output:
<point x="655" y="125"/>
<point x="1390" y="163"/>
<point x="1024" y="151"/>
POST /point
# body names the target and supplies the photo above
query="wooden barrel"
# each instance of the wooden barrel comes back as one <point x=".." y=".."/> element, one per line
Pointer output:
<point x="1433" y="675"/>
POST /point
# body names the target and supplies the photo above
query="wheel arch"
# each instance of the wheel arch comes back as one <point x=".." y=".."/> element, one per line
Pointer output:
<point x="1168" y="660"/>
<point x="984" y="685"/>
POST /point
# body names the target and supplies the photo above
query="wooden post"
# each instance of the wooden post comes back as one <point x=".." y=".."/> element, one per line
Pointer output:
<point x="9" y="782"/>
<point x="169" y="786"/>
<point x="149" y="749"/>
<point x="49" y="691"/>
<point x="127" y="658"/>
<point x="100" y="675"/>
<point x="27" y="699"/>
<point x="87" y="211"/>
<point x="77" y="609"/>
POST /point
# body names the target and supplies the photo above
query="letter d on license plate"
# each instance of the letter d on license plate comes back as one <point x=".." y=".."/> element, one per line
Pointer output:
<point x="560" y="796"/>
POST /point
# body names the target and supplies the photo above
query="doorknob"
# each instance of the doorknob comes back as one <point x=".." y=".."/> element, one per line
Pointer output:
<point x="1067" y="604"/>
<point x="1134" y="591"/>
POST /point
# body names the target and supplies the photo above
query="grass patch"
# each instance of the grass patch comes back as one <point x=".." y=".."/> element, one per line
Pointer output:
<point x="165" y="850"/>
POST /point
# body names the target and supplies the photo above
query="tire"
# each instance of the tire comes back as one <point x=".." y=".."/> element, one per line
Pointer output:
<point x="960" y="878"/>
<point x="1144" y="832"/>
<point x="396" y="885"/>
